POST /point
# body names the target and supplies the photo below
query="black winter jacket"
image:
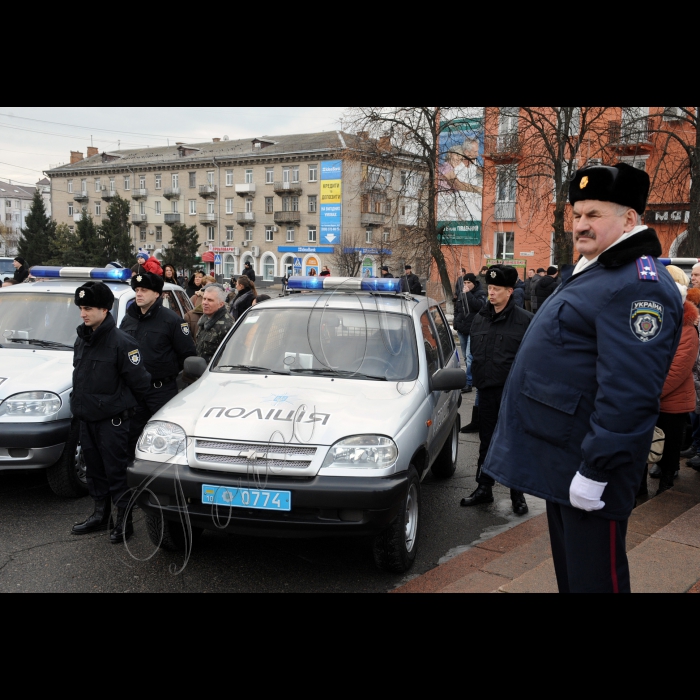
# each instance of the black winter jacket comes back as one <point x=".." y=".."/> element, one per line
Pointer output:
<point x="495" y="340"/>
<point x="545" y="288"/>
<point x="163" y="337"/>
<point x="467" y="307"/>
<point x="519" y="293"/>
<point x="109" y="376"/>
<point x="241" y="304"/>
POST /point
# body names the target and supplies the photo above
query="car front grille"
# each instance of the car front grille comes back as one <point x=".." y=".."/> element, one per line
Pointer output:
<point x="248" y="455"/>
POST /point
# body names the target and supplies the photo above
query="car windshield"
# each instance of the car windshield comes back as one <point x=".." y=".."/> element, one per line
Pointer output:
<point x="7" y="269"/>
<point x="324" y="342"/>
<point x="43" y="317"/>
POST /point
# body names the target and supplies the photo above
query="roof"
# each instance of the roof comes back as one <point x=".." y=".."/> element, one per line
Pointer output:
<point x="15" y="191"/>
<point x="366" y="301"/>
<point x="320" y="142"/>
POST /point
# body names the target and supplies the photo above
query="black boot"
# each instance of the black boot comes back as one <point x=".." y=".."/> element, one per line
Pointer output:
<point x="483" y="494"/>
<point x="518" y="500"/>
<point x="473" y="427"/>
<point x="655" y="472"/>
<point x="123" y="528"/>
<point x="98" y="521"/>
<point x="665" y="482"/>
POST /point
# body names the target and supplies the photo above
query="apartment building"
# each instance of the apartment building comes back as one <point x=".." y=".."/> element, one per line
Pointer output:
<point x="15" y="203"/>
<point x="283" y="203"/>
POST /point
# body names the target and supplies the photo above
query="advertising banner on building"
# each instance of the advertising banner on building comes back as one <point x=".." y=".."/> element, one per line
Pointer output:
<point x="461" y="182"/>
<point x="331" y="204"/>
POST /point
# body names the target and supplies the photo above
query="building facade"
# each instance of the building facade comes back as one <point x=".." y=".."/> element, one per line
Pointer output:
<point x="286" y="204"/>
<point x="15" y="203"/>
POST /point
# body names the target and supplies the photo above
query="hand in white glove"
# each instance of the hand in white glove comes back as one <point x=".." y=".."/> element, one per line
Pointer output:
<point x="585" y="493"/>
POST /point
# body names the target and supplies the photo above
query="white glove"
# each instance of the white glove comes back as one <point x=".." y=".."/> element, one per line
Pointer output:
<point x="585" y="493"/>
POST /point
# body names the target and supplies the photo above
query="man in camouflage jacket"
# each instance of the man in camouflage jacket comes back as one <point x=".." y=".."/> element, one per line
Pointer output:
<point x="215" y="322"/>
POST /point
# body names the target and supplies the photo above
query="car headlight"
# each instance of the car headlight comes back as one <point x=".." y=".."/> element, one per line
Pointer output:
<point x="31" y="403"/>
<point x="362" y="451"/>
<point x="161" y="438"/>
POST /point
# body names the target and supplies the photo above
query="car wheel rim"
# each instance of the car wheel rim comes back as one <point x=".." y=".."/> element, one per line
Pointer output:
<point x="411" y="517"/>
<point x="80" y="464"/>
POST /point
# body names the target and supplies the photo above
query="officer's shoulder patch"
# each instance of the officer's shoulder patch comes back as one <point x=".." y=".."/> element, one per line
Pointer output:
<point x="185" y="327"/>
<point x="646" y="269"/>
<point x="646" y="319"/>
<point x="135" y="357"/>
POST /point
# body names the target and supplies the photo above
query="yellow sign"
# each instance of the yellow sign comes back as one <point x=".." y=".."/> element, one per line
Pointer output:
<point x="331" y="192"/>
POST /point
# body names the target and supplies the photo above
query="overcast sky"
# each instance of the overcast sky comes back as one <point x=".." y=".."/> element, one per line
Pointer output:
<point x="33" y="139"/>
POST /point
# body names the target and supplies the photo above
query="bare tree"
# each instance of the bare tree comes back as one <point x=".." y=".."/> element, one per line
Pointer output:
<point x="346" y="260"/>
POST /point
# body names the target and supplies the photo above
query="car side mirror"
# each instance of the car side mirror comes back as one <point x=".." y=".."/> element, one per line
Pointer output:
<point x="448" y="380"/>
<point x="197" y="366"/>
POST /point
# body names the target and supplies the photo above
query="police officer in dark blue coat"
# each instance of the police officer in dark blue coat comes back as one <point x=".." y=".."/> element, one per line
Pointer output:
<point x="109" y="379"/>
<point x="165" y="343"/>
<point x="577" y="420"/>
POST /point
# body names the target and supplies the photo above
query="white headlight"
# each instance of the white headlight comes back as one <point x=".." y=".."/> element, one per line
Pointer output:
<point x="362" y="451"/>
<point x="31" y="403"/>
<point x="161" y="438"/>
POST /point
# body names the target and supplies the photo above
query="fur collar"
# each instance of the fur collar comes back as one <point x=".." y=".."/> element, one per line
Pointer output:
<point x="644" y="243"/>
<point x="690" y="313"/>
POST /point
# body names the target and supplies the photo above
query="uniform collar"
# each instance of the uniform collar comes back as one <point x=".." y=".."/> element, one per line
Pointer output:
<point x="641" y="240"/>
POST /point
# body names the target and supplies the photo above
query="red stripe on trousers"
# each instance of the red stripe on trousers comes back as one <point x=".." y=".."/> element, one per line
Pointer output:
<point x="613" y="557"/>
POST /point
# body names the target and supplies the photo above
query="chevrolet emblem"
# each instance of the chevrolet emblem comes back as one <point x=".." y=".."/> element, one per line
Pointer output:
<point x="583" y="183"/>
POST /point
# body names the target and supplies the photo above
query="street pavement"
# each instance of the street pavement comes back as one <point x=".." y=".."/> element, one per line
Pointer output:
<point x="39" y="554"/>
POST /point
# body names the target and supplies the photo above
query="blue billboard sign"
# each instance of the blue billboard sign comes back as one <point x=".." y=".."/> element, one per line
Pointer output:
<point x="331" y="205"/>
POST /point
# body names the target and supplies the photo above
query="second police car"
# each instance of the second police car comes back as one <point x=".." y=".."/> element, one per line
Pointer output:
<point x="320" y="414"/>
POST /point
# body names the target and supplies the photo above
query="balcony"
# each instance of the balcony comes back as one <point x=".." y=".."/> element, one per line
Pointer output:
<point x="502" y="146"/>
<point x="374" y="185"/>
<point x="504" y="211"/>
<point x="370" y="219"/>
<point x="171" y="193"/>
<point x="139" y="193"/>
<point x="246" y="190"/>
<point x="81" y="196"/>
<point x="207" y="191"/>
<point x="244" y="218"/>
<point x="139" y="219"/>
<point x="632" y="137"/>
<point x="171" y="219"/>
<point x="108" y="195"/>
<point x="287" y="217"/>
<point x="283" y="188"/>
<point x="208" y="217"/>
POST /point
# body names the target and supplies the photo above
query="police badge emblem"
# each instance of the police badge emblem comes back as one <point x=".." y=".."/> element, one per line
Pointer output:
<point x="583" y="183"/>
<point x="82" y="293"/>
<point x="493" y="275"/>
<point x="135" y="357"/>
<point x="139" y="278"/>
<point x="646" y="318"/>
<point x="185" y="328"/>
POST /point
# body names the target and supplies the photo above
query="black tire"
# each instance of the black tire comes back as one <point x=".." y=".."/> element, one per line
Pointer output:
<point x="395" y="548"/>
<point x="446" y="463"/>
<point x="67" y="477"/>
<point x="171" y="535"/>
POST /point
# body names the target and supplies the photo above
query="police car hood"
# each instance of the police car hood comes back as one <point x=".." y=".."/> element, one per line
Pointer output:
<point x="34" y="370"/>
<point x="314" y="410"/>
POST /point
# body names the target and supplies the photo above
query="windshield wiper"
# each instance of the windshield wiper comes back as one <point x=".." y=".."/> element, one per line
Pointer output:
<point x="339" y="373"/>
<point x="250" y="368"/>
<point x="42" y="343"/>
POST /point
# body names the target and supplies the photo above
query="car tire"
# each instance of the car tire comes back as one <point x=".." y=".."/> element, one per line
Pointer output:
<point x="67" y="478"/>
<point x="395" y="548"/>
<point x="446" y="463"/>
<point x="170" y="534"/>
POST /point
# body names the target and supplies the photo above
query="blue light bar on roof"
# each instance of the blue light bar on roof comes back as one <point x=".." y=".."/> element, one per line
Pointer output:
<point x="345" y="284"/>
<point x="106" y="274"/>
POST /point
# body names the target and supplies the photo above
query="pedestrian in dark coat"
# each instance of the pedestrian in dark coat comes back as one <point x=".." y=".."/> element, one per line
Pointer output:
<point x="215" y="323"/>
<point x="547" y="285"/>
<point x="21" y="270"/>
<point x="165" y="342"/>
<point x="496" y="334"/>
<point x="109" y="381"/>
<point x="528" y="290"/>
<point x="519" y="294"/>
<point x="577" y="420"/>
<point x="470" y="301"/>
<point x="194" y="284"/>
<point x="244" y="298"/>
<point x="481" y="277"/>
<point x="410" y="282"/>
<point x="541" y="272"/>
<point x="249" y="272"/>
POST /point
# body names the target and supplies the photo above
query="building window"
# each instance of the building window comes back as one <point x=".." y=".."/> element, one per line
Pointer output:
<point x="210" y="177"/>
<point x="295" y="203"/>
<point x="71" y="229"/>
<point x="229" y="206"/>
<point x="83" y="187"/>
<point x="269" y="234"/>
<point x="158" y="209"/>
<point x="159" y="181"/>
<point x="385" y="236"/>
<point x="505" y="245"/>
<point x="142" y="234"/>
<point x="249" y="176"/>
<point x="269" y="205"/>
<point x="142" y="207"/>
<point x="70" y="186"/>
<point x="229" y="233"/>
<point x="312" y="234"/>
<point x="210" y="207"/>
<point x="286" y="174"/>
<point x="193" y="180"/>
<point x="175" y="180"/>
<point x="98" y="186"/>
<point x="268" y="270"/>
<point x="210" y="233"/>
<point x="295" y="173"/>
<point x="229" y="178"/>
<point x="127" y="183"/>
<point x="313" y="203"/>
<point x="249" y="205"/>
<point x="249" y="234"/>
<point x="112" y="185"/>
<point x="269" y="176"/>
<point x="506" y="180"/>
<point x="290" y="235"/>
<point x="98" y="208"/>
<point x="368" y="235"/>
<point x="159" y="233"/>
<point x="174" y="206"/>
<point x="70" y="208"/>
<point x="313" y="173"/>
<point x="286" y="203"/>
<point x="142" y="182"/>
<point x="193" y="206"/>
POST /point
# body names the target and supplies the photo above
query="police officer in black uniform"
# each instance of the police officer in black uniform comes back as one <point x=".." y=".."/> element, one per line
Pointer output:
<point x="410" y="282"/>
<point x="165" y="342"/>
<point x="109" y="379"/>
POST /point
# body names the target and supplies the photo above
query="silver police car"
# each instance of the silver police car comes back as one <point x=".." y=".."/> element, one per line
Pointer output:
<point x="320" y="414"/>
<point x="38" y="321"/>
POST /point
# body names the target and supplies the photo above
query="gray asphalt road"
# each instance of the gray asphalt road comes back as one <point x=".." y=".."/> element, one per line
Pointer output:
<point x="38" y="553"/>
